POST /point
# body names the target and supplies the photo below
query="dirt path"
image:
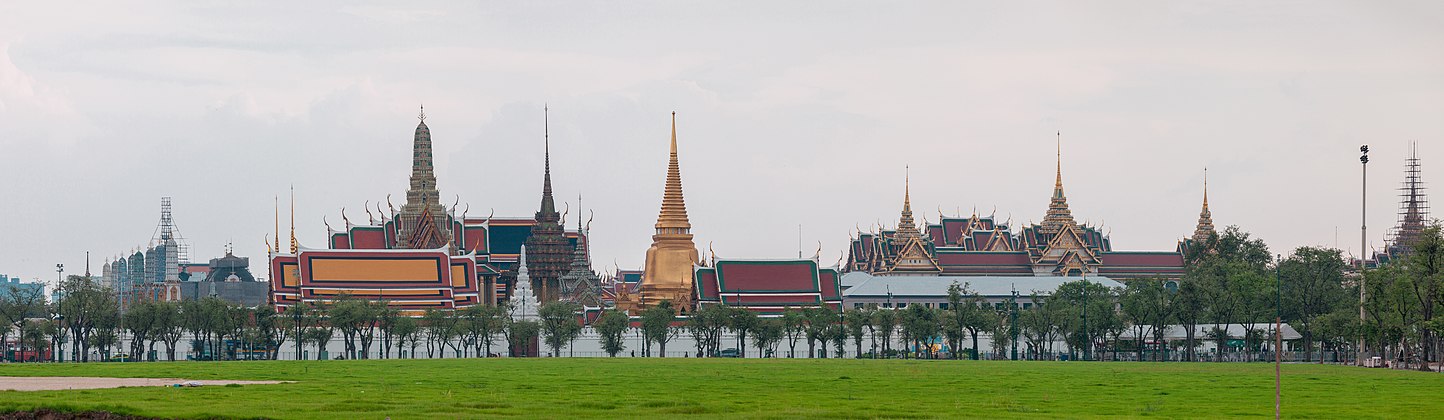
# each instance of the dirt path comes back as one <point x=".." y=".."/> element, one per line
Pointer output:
<point x="53" y="383"/>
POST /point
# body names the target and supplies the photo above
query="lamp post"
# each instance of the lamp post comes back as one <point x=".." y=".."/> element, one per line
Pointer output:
<point x="1087" y="333"/>
<point x="1278" y="335"/>
<point x="1363" y="244"/>
<point x="1013" y="320"/>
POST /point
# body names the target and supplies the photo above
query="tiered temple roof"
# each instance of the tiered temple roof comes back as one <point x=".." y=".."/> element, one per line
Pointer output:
<point x="768" y="287"/>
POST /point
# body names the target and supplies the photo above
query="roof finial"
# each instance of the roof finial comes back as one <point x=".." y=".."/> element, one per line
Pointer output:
<point x="547" y="137"/>
<point x="1205" y="186"/>
<point x="294" y="245"/>
<point x="422" y="115"/>
<point x="1060" y="157"/>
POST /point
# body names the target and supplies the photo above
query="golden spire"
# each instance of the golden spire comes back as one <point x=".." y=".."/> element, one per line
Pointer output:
<point x="1205" y="218"/>
<point x="295" y="247"/>
<point x="277" y="204"/>
<point x="905" y="226"/>
<point x="673" y="218"/>
<point x="1058" y="216"/>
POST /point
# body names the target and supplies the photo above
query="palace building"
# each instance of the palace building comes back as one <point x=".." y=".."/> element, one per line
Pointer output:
<point x="426" y="255"/>
<point x="976" y="245"/>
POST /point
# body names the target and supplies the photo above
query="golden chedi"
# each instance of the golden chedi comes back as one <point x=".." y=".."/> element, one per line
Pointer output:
<point x="672" y="256"/>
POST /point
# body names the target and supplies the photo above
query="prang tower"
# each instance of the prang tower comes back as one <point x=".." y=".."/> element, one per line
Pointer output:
<point x="424" y="220"/>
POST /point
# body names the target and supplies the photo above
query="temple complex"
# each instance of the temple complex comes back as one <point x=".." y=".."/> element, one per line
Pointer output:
<point x="426" y="255"/>
<point x="667" y="273"/>
<point x="984" y="246"/>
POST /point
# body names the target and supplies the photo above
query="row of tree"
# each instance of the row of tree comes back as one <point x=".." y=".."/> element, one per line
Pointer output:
<point x="1232" y="280"/>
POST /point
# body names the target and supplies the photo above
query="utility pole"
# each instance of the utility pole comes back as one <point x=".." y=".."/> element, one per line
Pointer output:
<point x="1363" y="246"/>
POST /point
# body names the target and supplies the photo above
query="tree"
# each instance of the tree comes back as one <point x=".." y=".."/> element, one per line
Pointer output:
<point x="1312" y="284"/>
<point x="433" y="322"/>
<point x="611" y="326"/>
<point x="296" y="319"/>
<point x="1424" y="267"/>
<point x="919" y="325"/>
<point x="84" y="305"/>
<point x="169" y="326"/>
<point x="857" y="321"/>
<point x="271" y="330"/>
<point x="386" y="318"/>
<point x="657" y="325"/>
<point x="35" y="332"/>
<point x="351" y="316"/>
<point x="743" y="321"/>
<point x="1188" y="308"/>
<point x="885" y="321"/>
<point x="960" y="317"/>
<point x="976" y="318"/>
<point x="819" y="323"/>
<point x="1145" y="304"/>
<point x="405" y="331"/>
<point x="19" y="304"/>
<point x="519" y="335"/>
<point x="794" y="327"/>
<point x="766" y="335"/>
<point x="484" y="323"/>
<point x="559" y="324"/>
<point x="140" y="320"/>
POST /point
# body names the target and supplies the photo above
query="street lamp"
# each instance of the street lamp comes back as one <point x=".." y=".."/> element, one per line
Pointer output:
<point x="1087" y="335"/>
<point x="1013" y="322"/>
<point x="1363" y="243"/>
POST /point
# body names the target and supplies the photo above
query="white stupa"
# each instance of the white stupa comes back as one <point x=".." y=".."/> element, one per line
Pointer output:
<point x="523" y="303"/>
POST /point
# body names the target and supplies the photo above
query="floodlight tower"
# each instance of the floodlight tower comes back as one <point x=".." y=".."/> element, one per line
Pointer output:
<point x="1363" y="244"/>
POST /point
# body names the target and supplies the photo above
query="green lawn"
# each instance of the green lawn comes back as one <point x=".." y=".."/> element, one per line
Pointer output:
<point x="752" y="388"/>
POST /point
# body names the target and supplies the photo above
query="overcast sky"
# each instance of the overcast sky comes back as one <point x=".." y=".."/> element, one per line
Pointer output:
<point x="789" y="113"/>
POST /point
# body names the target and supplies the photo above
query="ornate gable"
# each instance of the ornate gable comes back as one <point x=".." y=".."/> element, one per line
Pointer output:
<point x="1065" y="252"/>
<point x="914" y="257"/>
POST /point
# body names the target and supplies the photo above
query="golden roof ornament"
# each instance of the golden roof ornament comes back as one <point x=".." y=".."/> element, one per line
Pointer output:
<point x="1058" y="216"/>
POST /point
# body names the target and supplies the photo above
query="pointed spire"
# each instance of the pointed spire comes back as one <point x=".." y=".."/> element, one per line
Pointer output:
<point x="548" y="205"/>
<point x="277" y="204"/>
<point x="906" y="228"/>
<point x="1205" y="217"/>
<point x="1058" y="216"/>
<point x="295" y="246"/>
<point x="673" y="218"/>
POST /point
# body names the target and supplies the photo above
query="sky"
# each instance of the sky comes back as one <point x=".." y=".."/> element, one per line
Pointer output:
<point x="797" y="122"/>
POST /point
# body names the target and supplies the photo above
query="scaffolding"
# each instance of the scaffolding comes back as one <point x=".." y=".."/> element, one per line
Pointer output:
<point x="1413" y="207"/>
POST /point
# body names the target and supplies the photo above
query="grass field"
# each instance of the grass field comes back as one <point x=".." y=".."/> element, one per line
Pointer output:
<point x="741" y="388"/>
